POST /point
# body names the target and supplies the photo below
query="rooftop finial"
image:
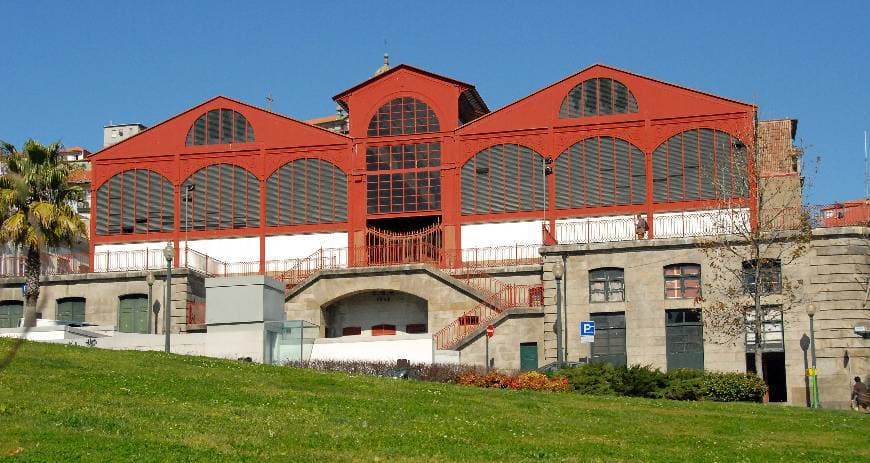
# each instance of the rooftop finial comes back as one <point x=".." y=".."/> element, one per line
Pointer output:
<point x="384" y="67"/>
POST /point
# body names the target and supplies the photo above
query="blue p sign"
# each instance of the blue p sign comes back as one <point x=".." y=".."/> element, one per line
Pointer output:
<point x="587" y="328"/>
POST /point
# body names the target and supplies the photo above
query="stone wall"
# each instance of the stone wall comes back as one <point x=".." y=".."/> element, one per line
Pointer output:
<point x="832" y="275"/>
<point x="102" y="291"/>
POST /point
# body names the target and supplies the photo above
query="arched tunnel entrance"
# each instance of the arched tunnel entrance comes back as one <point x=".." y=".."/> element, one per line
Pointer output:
<point x="376" y="313"/>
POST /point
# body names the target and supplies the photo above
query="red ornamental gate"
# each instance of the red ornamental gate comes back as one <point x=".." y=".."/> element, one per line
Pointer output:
<point x="384" y="247"/>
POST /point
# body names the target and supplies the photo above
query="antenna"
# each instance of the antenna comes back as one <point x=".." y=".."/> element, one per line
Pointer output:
<point x="866" y="169"/>
<point x="270" y="100"/>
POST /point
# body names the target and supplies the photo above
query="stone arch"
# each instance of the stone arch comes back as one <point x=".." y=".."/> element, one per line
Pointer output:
<point x="379" y="312"/>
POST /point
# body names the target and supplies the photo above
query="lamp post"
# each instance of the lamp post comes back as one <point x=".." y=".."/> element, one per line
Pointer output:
<point x="168" y="253"/>
<point x="150" y="280"/>
<point x="812" y="372"/>
<point x="188" y="189"/>
<point x="558" y="272"/>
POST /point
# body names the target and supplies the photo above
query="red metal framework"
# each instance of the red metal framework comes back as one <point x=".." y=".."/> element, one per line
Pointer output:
<point x="403" y="116"/>
<point x="663" y="111"/>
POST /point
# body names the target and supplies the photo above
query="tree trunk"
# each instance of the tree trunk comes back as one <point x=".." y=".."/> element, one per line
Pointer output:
<point x="31" y="279"/>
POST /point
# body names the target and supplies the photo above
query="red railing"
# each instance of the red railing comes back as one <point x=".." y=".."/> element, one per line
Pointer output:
<point x="300" y="269"/>
<point x="510" y="295"/>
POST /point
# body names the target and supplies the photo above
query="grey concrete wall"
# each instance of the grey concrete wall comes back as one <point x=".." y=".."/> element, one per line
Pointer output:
<point x="244" y="299"/>
<point x="365" y="310"/>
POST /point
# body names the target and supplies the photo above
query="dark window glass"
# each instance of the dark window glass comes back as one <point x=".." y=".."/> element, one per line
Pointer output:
<point x="414" y="181"/>
<point x="403" y="116"/>
<point x="415" y="328"/>
<point x="135" y="201"/>
<point x="220" y="126"/>
<point x="770" y="277"/>
<point x="598" y="97"/>
<point x="684" y="341"/>
<point x="606" y="285"/>
<point x="351" y="331"/>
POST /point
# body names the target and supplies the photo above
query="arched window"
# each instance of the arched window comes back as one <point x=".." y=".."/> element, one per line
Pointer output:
<point x="700" y="164"/>
<point x="600" y="171"/>
<point x="403" y="116"/>
<point x="503" y="178"/>
<point x="220" y="126"/>
<point x="222" y="196"/>
<point x="306" y="191"/>
<point x="135" y="201"/>
<point x="598" y="97"/>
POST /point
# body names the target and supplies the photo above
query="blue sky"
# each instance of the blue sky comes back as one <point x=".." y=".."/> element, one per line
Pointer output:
<point x="69" y="70"/>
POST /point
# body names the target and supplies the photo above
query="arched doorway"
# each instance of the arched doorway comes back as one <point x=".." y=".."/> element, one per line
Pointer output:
<point x="376" y="313"/>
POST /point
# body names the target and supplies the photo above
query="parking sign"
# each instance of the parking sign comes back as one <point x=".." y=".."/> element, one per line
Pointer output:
<point x="587" y="331"/>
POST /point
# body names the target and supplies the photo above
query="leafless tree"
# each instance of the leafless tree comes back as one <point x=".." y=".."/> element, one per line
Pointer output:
<point x="747" y="287"/>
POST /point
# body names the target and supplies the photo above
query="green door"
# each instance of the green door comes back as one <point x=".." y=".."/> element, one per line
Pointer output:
<point x="11" y="313"/>
<point x="609" y="344"/>
<point x="528" y="356"/>
<point x="684" y="339"/>
<point x="71" y="309"/>
<point x="133" y="314"/>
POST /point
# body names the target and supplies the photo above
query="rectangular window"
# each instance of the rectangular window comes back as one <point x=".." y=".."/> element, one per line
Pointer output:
<point x="415" y="328"/>
<point x="469" y="320"/>
<point x="684" y="339"/>
<point x="11" y="313"/>
<point x="351" y="331"/>
<point x="384" y="330"/>
<point x="606" y="285"/>
<point x="769" y="274"/>
<point x="411" y="178"/>
<point x="771" y="329"/>
<point x="682" y="281"/>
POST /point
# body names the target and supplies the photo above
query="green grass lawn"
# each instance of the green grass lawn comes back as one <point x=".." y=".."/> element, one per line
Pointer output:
<point x="60" y="403"/>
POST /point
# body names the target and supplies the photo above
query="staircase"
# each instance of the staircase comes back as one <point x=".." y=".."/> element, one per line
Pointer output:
<point x="322" y="259"/>
<point x="500" y="296"/>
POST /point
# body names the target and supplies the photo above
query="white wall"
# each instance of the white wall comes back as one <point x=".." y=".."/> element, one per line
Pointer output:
<point x="227" y="249"/>
<point x="416" y="348"/>
<point x="482" y="235"/>
<point x="299" y="246"/>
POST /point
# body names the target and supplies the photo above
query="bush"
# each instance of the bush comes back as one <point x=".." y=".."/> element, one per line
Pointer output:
<point x="639" y="381"/>
<point x="593" y="378"/>
<point x="733" y="387"/>
<point x="684" y="384"/>
<point x="532" y="381"/>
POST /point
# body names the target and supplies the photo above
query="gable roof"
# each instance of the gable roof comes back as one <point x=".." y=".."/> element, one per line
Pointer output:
<point x="339" y="98"/>
<point x="506" y="107"/>
<point x="197" y="109"/>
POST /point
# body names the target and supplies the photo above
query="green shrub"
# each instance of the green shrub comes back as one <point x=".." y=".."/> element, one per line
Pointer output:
<point x="733" y="387"/>
<point x="639" y="381"/>
<point x="593" y="378"/>
<point x="684" y="384"/>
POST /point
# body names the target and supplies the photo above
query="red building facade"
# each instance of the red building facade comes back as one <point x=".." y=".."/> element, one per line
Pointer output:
<point x="423" y="158"/>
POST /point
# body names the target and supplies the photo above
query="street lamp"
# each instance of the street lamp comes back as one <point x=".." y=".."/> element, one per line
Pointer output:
<point x="168" y="253"/>
<point x="812" y="372"/>
<point x="150" y="280"/>
<point x="187" y="193"/>
<point x="558" y="273"/>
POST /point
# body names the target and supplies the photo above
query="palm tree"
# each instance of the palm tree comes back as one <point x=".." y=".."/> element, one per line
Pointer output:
<point x="36" y="208"/>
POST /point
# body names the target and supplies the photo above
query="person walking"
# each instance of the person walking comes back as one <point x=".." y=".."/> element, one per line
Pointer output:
<point x="859" y="394"/>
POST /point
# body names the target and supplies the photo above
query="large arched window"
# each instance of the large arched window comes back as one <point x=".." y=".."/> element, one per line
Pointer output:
<point x="306" y="191"/>
<point x="600" y="171"/>
<point x="700" y="164"/>
<point x="598" y="97"/>
<point x="503" y="178"/>
<point x="220" y="196"/>
<point x="135" y="201"/>
<point x="403" y="116"/>
<point x="220" y="126"/>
